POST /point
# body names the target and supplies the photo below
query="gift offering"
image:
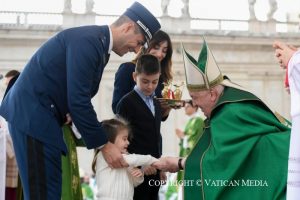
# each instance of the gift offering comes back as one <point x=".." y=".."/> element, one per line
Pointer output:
<point x="172" y="94"/>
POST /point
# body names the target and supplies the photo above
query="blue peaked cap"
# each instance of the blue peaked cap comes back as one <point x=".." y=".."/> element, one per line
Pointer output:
<point x="144" y="18"/>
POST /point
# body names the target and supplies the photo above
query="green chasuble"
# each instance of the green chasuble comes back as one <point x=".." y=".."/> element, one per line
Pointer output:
<point x="71" y="187"/>
<point x="193" y="130"/>
<point x="242" y="154"/>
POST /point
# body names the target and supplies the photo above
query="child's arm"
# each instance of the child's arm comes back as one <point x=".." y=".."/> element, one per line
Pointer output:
<point x="135" y="160"/>
<point x="137" y="176"/>
<point x="149" y="170"/>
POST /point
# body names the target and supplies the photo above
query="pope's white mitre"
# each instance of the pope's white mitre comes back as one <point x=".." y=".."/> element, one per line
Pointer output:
<point x="204" y="73"/>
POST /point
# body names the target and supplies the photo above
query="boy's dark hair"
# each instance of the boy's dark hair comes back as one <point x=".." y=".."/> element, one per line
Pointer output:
<point x="12" y="73"/>
<point x="166" y="63"/>
<point x="147" y="64"/>
<point x="112" y="127"/>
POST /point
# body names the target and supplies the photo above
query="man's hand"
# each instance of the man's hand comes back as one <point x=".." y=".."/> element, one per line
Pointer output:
<point x="68" y="118"/>
<point x="165" y="108"/>
<point x="113" y="156"/>
<point x="179" y="133"/>
<point x="169" y="164"/>
<point x="283" y="53"/>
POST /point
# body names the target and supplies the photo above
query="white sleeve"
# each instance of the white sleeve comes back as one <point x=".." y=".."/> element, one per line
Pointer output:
<point x="2" y="162"/>
<point x="9" y="144"/>
<point x="9" y="147"/>
<point x="294" y="83"/>
<point x="135" y="160"/>
<point x="75" y="131"/>
<point x="296" y="70"/>
<point x="135" y="180"/>
<point x="185" y="142"/>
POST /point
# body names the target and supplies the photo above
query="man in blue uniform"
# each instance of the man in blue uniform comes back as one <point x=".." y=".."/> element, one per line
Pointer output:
<point x="62" y="77"/>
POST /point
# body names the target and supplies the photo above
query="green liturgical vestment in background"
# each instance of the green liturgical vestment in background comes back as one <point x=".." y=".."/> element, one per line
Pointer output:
<point x="242" y="154"/>
<point x="193" y="130"/>
<point x="71" y="186"/>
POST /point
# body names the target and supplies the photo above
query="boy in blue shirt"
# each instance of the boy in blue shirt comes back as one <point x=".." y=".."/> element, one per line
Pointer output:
<point x="144" y="114"/>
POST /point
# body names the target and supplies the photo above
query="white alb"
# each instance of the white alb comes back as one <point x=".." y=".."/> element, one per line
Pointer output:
<point x="293" y="186"/>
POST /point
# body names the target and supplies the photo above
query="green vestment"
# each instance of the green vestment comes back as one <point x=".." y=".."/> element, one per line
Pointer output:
<point x="193" y="130"/>
<point x="87" y="192"/>
<point x="242" y="154"/>
<point x="71" y="187"/>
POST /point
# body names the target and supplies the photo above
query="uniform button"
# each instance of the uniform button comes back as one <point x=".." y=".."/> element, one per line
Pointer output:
<point x="52" y="106"/>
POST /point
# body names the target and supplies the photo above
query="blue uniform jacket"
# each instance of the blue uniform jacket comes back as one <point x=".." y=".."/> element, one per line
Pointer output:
<point x="61" y="77"/>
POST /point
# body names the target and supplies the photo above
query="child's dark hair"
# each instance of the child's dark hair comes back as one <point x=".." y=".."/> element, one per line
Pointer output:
<point x="166" y="63"/>
<point x="12" y="73"/>
<point x="112" y="127"/>
<point x="147" y="64"/>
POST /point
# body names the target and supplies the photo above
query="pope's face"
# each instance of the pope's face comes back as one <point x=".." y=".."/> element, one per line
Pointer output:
<point x="205" y="100"/>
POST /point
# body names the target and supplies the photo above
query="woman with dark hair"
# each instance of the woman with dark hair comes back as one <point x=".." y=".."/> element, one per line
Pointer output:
<point x="161" y="47"/>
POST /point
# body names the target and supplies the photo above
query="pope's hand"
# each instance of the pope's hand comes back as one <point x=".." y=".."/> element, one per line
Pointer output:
<point x="169" y="164"/>
<point x="148" y="170"/>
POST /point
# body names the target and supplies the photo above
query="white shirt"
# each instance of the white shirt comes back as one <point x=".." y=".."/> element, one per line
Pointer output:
<point x="147" y="99"/>
<point x="118" y="184"/>
<point x="111" y="41"/>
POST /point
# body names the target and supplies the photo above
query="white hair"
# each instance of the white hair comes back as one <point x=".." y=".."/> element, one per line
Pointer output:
<point x="219" y="89"/>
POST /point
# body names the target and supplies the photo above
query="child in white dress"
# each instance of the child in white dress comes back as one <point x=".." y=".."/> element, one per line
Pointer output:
<point x="118" y="184"/>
